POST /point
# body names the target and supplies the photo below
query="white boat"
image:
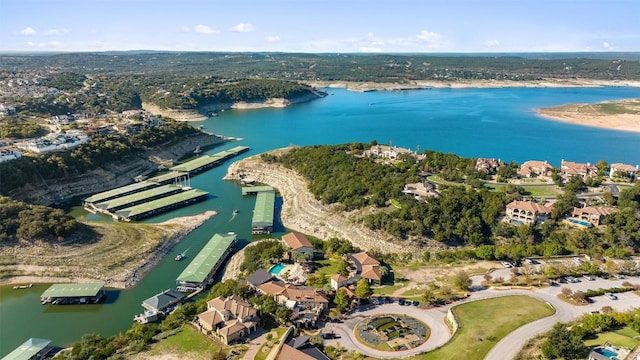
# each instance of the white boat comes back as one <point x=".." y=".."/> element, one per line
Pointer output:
<point x="179" y="257"/>
<point x="235" y="211"/>
<point x="18" y="287"/>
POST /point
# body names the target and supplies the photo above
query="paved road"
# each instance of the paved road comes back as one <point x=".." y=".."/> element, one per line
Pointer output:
<point x="509" y="346"/>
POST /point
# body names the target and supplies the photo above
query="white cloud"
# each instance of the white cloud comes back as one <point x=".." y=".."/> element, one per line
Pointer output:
<point x="243" y="28"/>
<point x="428" y="36"/>
<point x="28" y="31"/>
<point x="491" y="43"/>
<point x="185" y="28"/>
<point x="50" y="44"/>
<point x="369" y="49"/>
<point x="608" y="46"/>
<point x="31" y="43"/>
<point x="273" y="38"/>
<point x="204" y="29"/>
<point x="53" y="32"/>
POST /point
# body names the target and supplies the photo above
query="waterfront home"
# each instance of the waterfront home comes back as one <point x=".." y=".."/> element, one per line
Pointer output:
<point x="367" y="267"/>
<point x="54" y="142"/>
<point x="295" y="296"/>
<point x="420" y="190"/>
<point x="258" y="278"/>
<point x="298" y="243"/>
<point x="31" y="349"/>
<point x="624" y="171"/>
<point x="488" y="166"/>
<point x="229" y="318"/>
<point x="535" y="168"/>
<point x="609" y="352"/>
<point x="527" y="212"/>
<point x="390" y="152"/>
<point x="592" y="215"/>
<point x="569" y="169"/>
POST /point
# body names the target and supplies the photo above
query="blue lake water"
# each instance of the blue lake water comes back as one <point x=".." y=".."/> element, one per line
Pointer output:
<point x="500" y="123"/>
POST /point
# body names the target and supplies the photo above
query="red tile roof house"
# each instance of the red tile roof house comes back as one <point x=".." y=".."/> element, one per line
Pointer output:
<point x="298" y="243"/>
<point x="366" y="267"/>
<point x="488" y="166"/>
<point x="229" y="318"/>
<point x="527" y="212"/>
<point x="569" y="169"/>
<point x="535" y="168"/>
<point x="593" y="215"/>
<point x="625" y="171"/>
<point x="338" y="281"/>
<point x="303" y="297"/>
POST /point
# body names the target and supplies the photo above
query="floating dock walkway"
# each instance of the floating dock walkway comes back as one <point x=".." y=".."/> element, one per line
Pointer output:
<point x="172" y="177"/>
<point x="126" y="201"/>
<point x="200" y="271"/>
<point x="84" y="293"/>
<point x="208" y="161"/>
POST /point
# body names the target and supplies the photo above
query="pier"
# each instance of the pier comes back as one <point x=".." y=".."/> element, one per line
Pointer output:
<point x="200" y="271"/>
<point x="263" y="213"/>
<point x="138" y="198"/>
<point x="84" y="293"/>
<point x="168" y="178"/>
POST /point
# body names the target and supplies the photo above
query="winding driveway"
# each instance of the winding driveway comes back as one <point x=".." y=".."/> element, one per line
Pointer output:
<point x="506" y="348"/>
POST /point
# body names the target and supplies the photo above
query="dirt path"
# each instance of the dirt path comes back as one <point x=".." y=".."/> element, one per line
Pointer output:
<point x="120" y="255"/>
<point x="302" y="212"/>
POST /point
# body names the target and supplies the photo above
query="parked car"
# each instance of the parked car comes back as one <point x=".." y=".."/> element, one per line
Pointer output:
<point x="415" y="303"/>
<point x="611" y="296"/>
<point x="590" y="277"/>
<point x="571" y="279"/>
<point x="507" y="264"/>
<point x="529" y="261"/>
<point x="553" y="283"/>
<point x="618" y="276"/>
<point x="577" y="260"/>
<point x="401" y="301"/>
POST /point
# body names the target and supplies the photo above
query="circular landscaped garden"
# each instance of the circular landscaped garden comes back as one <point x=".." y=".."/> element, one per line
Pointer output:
<point x="392" y="332"/>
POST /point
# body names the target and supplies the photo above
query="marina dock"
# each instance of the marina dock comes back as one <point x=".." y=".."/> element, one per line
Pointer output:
<point x="83" y="293"/>
<point x="138" y="198"/>
<point x="168" y="178"/>
<point x="161" y="205"/>
<point x="263" y="213"/>
<point x="208" y="161"/>
<point x="200" y="271"/>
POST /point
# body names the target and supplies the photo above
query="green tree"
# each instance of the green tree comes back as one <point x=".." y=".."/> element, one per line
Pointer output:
<point x="486" y="252"/>
<point x="341" y="300"/>
<point x="283" y="314"/>
<point x="363" y="289"/>
<point x="563" y="343"/>
<point x="462" y="280"/>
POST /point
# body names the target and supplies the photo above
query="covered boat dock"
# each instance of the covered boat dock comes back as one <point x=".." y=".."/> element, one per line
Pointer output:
<point x="162" y="205"/>
<point x="200" y="271"/>
<point x="83" y="293"/>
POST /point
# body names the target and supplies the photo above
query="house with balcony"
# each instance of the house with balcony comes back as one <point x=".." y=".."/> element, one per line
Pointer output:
<point x="592" y="215"/>
<point x="527" y="212"/>
<point x="488" y="166"/>
<point x="298" y="243"/>
<point x="624" y="171"/>
<point x="229" y="318"/>
<point x="535" y="168"/>
<point x="298" y="297"/>
<point x="569" y="169"/>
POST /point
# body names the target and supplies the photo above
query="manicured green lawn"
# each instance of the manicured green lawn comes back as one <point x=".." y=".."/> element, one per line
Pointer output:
<point x="395" y="203"/>
<point x="483" y="323"/>
<point x="188" y="342"/>
<point x="622" y="337"/>
<point x="261" y="355"/>
<point x="388" y="290"/>
<point x="536" y="191"/>
<point x="326" y="267"/>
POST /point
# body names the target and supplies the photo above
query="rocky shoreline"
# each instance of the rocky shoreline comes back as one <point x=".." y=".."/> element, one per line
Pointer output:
<point x="302" y="212"/>
<point x="202" y="112"/>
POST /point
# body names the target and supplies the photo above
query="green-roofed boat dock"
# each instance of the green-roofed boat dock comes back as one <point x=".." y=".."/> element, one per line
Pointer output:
<point x="137" y="198"/>
<point x="208" y="161"/>
<point x="200" y="271"/>
<point x="81" y="293"/>
<point x="253" y="190"/>
<point x="158" y="206"/>
<point x="33" y="348"/>
<point x="262" y="221"/>
<point x="171" y="177"/>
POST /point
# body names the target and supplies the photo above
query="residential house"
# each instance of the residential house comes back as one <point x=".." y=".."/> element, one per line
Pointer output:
<point x="593" y="215"/>
<point x="298" y="243"/>
<point x="229" y="318"/>
<point x="420" y="190"/>
<point x="390" y="152"/>
<point x="488" y="166"/>
<point x="258" y="278"/>
<point x="527" y="212"/>
<point x="338" y="281"/>
<point x="535" y="168"/>
<point x="9" y="154"/>
<point x="569" y="169"/>
<point x="295" y="296"/>
<point x="367" y="267"/>
<point x="625" y="171"/>
<point x="300" y="349"/>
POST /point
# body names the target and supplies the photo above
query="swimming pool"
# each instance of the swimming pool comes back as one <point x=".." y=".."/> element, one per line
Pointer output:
<point x="276" y="269"/>
<point x="607" y="352"/>
<point x="579" y="222"/>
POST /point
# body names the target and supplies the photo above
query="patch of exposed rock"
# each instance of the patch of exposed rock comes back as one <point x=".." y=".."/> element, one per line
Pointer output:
<point x="302" y="212"/>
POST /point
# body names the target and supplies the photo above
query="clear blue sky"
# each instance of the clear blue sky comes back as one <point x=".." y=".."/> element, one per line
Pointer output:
<point x="321" y="25"/>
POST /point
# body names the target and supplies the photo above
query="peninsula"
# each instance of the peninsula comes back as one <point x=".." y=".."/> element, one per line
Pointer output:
<point x="615" y="115"/>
